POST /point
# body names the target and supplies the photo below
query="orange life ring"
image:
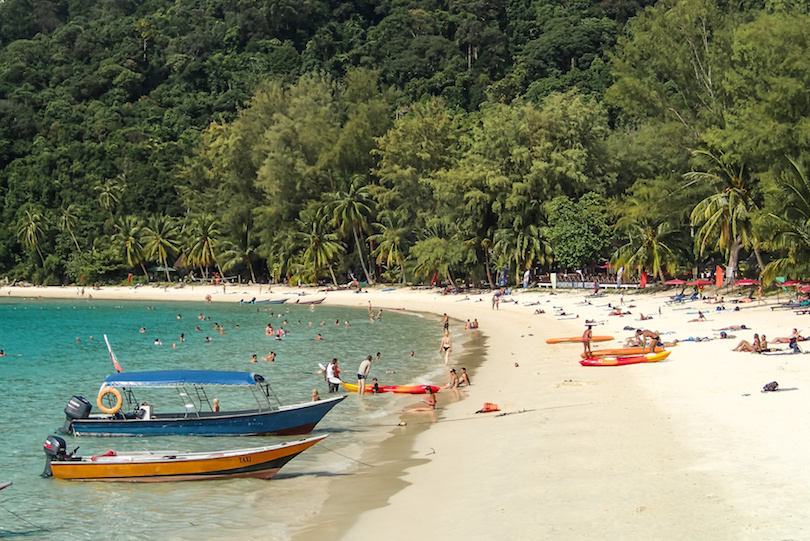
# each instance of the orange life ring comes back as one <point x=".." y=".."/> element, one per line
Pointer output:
<point x="118" y="400"/>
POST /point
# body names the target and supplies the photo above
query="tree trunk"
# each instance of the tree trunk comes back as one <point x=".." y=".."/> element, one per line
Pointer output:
<point x="75" y="242"/>
<point x="760" y="264"/>
<point x="332" y="272"/>
<point x="360" y="253"/>
<point x="145" y="274"/>
<point x="733" y="260"/>
<point x="250" y="266"/>
<point x="489" y="274"/>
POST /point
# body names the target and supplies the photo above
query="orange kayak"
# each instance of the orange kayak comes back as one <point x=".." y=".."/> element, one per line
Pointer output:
<point x="620" y="361"/>
<point x="577" y="339"/>
<point x="406" y="389"/>
<point x="621" y="352"/>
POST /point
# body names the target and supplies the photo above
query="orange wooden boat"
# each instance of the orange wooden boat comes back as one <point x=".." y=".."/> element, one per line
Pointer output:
<point x="156" y="466"/>
<point x="577" y="339"/>
<point x="620" y="352"/>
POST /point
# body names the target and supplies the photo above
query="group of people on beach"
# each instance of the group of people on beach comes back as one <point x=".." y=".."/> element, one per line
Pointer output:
<point x="458" y="380"/>
<point x="760" y="343"/>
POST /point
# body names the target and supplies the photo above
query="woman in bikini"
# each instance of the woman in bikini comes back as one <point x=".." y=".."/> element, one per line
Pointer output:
<point x="430" y="401"/>
<point x="744" y="345"/>
<point x="446" y="347"/>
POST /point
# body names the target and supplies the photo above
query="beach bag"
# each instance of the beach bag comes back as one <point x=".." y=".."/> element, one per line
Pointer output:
<point x="770" y="387"/>
<point x="489" y="407"/>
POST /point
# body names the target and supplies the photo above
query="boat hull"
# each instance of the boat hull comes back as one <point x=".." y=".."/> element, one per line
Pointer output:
<point x="295" y="419"/>
<point x="271" y="301"/>
<point x="621" y="352"/>
<point x="316" y="301"/>
<point x="621" y="361"/>
<point x="162" y="466"/>
<point x="402" y="389"/>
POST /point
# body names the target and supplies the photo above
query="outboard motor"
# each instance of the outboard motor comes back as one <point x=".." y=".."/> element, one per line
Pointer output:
<point x="55" y="449"/>
<point x="77" y="408"/>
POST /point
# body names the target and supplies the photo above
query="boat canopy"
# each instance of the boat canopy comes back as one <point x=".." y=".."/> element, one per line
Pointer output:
<point x="176" y="378"/>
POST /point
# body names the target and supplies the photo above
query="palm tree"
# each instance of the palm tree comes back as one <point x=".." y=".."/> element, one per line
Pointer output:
<point x="647" y="248"/>
<point x="521" y="247"/>
<point x="203" y="242"/>
<point x="161" y="240"/>
<point x="67" y="222"/>
<point x="109" y="193"/>
<point x="127" y="238"/>
<point x="484" y="243"/>
<point x="725" y="217"/>
<point x="30" y="231"/>
<point x="241" y="251"/>
<point x="391" y="241"/>
<point x="506" y="247"/>
<point x="322" y="247"/>
<point x="790" y="233"/>
<point x="352" y="210"/>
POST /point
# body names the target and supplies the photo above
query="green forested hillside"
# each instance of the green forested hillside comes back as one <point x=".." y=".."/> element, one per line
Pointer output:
<point x="399" y="139"/>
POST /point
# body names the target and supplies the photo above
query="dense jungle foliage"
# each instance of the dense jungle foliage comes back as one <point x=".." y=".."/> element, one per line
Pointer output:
<point x="402" y="139"/>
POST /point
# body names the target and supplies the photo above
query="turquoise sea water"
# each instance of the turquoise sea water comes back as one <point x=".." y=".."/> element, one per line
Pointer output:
<point x="45" y="365"/>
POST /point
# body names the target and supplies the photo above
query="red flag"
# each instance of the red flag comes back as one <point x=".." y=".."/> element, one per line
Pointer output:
<point x="643" y="282"/>
<point x="718" y="276"/>
<point x="112" y="355"/>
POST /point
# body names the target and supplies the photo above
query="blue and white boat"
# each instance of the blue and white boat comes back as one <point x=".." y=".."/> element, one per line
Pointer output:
<point x="122" y="414"/>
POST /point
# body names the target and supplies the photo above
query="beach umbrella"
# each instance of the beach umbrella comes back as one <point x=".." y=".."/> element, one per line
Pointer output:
<point x="804" y="289"/>
<point x="790" y="283"/>
<point x="675" y="282"/>
<point x="699" y="283"/>
<point x="746" y="282"/>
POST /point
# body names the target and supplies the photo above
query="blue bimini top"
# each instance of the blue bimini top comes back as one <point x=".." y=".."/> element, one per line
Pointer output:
<point x="177" y="378"/>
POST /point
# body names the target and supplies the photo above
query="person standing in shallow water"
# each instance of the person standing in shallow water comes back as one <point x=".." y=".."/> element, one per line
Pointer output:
<point x="362" y="375"/>
<point x="446" y="347"/>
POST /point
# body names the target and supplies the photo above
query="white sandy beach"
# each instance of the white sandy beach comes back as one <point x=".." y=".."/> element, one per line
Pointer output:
<point x="685" y="448"/>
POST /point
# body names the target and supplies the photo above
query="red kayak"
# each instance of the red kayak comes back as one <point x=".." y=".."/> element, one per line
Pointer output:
<point x="407" y="389"/>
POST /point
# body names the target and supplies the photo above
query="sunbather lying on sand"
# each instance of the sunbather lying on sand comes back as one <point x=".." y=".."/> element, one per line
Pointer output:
<point x="786" y="339"/>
